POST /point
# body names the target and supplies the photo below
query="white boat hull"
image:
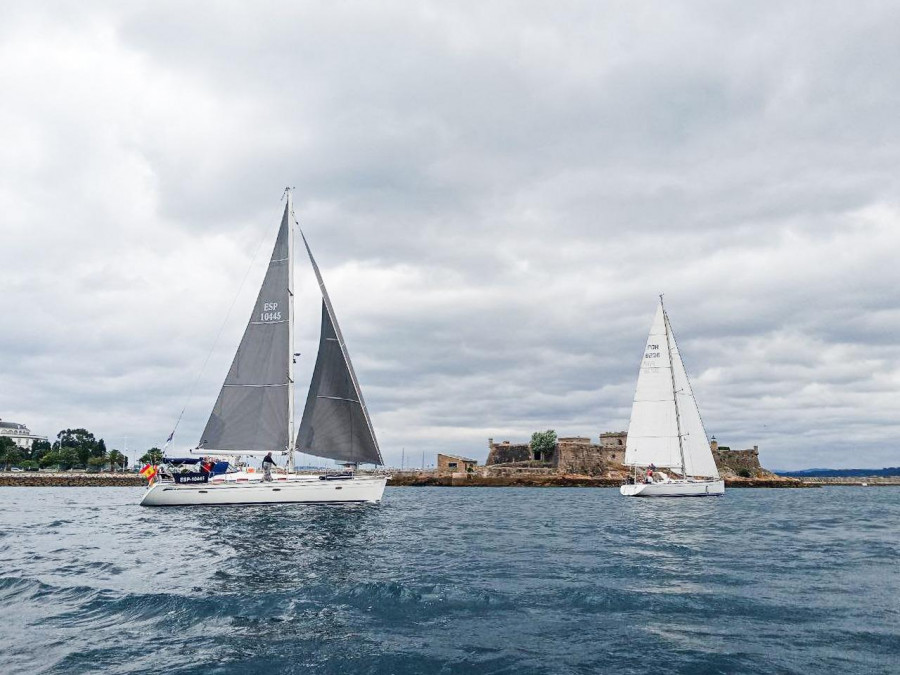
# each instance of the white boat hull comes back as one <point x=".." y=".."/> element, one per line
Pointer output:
<point x="675" y="488"/>
<point x="305" y="490"/>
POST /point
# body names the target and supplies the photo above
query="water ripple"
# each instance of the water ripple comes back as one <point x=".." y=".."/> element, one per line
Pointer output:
<point x="439" y="580"/>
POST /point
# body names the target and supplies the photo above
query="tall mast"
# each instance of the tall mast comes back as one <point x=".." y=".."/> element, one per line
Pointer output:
<point x="674" y="392"/>
<point x="290" y="374"/>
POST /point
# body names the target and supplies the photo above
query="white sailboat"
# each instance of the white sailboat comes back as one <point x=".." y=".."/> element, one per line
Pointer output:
<point x="254" y="413"/>
<point x="666" y="431"/>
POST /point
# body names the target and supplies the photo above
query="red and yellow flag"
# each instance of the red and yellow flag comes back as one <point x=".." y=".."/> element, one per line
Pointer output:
<point x="149" y="472"/>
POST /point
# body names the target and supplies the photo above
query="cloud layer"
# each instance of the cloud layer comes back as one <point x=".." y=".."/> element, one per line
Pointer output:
<point x="495" y="194"/>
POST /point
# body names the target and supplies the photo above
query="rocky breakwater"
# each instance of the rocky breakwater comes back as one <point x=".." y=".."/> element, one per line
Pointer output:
<point x="423" y="479"/>
<point x="70" y="479"/>
<point x="770" y="481"/>
<point x="533" y="479"/>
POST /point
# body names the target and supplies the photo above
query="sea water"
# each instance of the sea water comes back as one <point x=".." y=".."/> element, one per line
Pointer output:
<point x="453" y="580"/>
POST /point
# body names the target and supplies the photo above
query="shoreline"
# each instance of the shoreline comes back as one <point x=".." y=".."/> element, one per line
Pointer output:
<point x="407" y="479"/>
<point x="551" y="481"/>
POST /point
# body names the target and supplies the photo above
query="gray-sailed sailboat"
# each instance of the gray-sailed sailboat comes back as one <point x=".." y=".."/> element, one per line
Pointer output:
<point x="254" y="412"/>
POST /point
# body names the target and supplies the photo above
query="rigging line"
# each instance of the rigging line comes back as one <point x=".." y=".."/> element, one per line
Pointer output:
<point x="215" y="343"/>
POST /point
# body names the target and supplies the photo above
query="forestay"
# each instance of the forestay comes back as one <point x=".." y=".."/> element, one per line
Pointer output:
<point x="251" y="412"/>
<point x="335" y="421"/>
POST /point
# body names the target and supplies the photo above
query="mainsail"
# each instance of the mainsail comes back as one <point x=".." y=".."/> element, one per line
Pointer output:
<point x="664" y="409"/>
<point x="253" y="410"/>
<point x="335" y="420"/>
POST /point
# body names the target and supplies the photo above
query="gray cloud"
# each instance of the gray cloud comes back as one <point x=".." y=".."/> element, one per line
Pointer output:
<point x="496" y="195"/>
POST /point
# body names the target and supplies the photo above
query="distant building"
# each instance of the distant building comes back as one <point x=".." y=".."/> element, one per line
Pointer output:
<point x="454" y="464"/>
<point x="20" y="434"/>
<point x="743" y="463"/>
<point x="572" y="455"/>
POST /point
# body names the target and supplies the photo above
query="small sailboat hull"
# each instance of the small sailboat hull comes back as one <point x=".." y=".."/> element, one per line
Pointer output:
<point x="675" y="488"/>
<point x="305" y="490"/>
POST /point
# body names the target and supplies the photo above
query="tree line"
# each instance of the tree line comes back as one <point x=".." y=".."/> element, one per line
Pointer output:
<point x="72" y="449"/>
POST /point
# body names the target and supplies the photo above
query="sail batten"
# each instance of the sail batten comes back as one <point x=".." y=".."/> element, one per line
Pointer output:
<point x="665" y="427"/>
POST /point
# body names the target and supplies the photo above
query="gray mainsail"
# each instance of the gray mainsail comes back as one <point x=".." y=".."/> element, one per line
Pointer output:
<point x="253" y="408"/>
<point x="335" y="420"/>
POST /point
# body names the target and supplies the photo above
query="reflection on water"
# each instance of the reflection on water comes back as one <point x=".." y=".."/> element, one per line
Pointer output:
<point x="452" y="580"/>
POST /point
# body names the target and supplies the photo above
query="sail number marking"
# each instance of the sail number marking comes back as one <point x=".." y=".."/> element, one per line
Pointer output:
<point x="270" y="312"/>
<point x="652" y="352"/>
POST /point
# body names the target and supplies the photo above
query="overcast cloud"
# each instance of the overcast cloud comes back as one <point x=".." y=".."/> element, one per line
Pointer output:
<point x="496" y="194"/>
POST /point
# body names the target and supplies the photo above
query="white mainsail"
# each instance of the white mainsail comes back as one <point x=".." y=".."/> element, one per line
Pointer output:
<point x="665" y="427"/>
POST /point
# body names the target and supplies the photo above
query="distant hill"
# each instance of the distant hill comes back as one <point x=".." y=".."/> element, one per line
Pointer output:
<point x="840" y="473"/>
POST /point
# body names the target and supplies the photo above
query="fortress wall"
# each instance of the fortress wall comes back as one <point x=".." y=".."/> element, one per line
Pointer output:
<point x="739" y="463"/>
<point x="506" y="453"/>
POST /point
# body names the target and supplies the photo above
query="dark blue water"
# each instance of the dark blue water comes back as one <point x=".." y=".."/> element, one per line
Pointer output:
<point x="451" y="580"/>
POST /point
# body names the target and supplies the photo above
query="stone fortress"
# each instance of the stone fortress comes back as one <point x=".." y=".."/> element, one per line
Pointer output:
<point x="577" y="455"/>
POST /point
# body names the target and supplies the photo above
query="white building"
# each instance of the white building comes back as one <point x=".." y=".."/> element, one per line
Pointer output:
<point x="20" y="434"/>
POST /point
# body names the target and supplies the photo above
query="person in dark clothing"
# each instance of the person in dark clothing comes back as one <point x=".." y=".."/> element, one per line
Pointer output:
<point x="267" y="465"/>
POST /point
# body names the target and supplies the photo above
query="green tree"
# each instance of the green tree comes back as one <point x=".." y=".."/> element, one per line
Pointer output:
<point x="117" y="460"/>
<point x="67" y="458"/>
<point x="152" y="456"/>
<point x="97" y="463"/>
<point x="39" y="449"/>
<point x="543" y="443"/>
<point x="49" y="459"/>
<point x="10" y="453"/>
<point x="99" y="450"/>
<point x="82" y="442"/>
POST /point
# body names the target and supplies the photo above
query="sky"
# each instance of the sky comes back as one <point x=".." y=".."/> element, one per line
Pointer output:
<point x="496" y="192"/>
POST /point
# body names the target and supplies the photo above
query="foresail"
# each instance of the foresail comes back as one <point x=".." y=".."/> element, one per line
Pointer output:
<point x="335" y="420"/>
<point x="251" y="412"/>
<point x="698" y="458"/>
<point x="652" y="431"/>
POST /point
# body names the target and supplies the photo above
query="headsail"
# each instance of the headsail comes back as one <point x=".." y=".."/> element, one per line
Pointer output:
<point x="653" y="432"/>
<point x="252" y="410"/>
<point x="698" y="458"/>
<point x="335" y="420"/>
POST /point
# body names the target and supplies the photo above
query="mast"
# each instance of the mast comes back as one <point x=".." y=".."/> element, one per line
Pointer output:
<point x="674" y="391"/>
<point x="290" y="344"/>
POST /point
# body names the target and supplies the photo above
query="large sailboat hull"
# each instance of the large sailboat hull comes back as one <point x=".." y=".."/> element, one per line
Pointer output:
<point x="675" y="488"/>
<point x="311" y="490"/>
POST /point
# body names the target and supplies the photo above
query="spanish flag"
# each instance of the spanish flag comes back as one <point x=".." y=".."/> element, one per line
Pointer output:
<point x="149" y="472"/>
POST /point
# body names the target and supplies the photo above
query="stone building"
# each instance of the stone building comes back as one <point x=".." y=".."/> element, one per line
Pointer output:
<point x="577" y="455"/>
<point x="743" y="463"/>
<point x="508" y="453"/>
<point x="454" y="464"/>
<point x="20" y="434"/>
<point x="572" y="455"/>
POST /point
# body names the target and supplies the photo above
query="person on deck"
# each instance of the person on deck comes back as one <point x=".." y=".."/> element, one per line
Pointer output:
<point x="649" y="478"/>
<point x="267" y="465"/>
